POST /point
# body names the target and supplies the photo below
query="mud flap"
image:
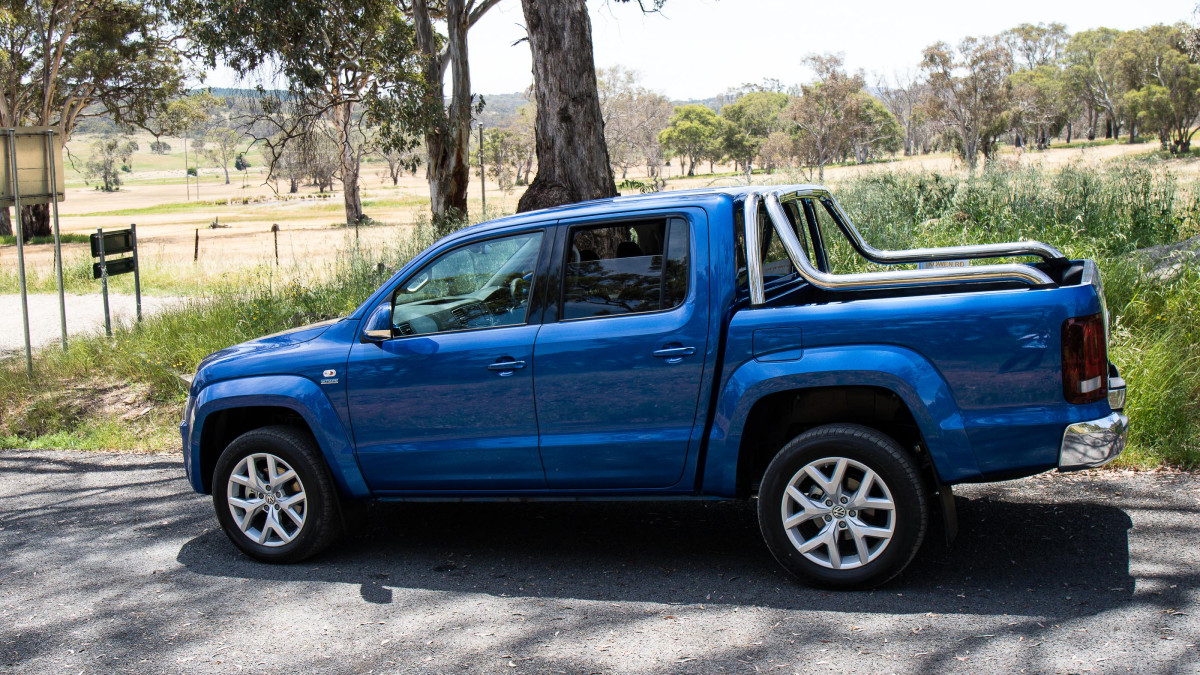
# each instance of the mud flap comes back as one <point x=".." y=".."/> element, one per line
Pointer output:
<point x="949" y="512"/>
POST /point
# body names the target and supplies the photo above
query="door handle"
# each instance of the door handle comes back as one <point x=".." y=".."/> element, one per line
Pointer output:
<point x="674" y="354"/>
<point x="506" y="366"/>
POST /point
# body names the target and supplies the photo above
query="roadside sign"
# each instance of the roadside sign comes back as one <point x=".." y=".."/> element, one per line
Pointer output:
<point x="115" y="267"/>
<point x="117" y="241"/>
<point x="34" y="148"/>
<point x="105" y="244"/>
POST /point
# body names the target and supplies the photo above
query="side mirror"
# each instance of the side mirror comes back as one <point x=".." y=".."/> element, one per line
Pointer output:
<point x="379" y="324"/>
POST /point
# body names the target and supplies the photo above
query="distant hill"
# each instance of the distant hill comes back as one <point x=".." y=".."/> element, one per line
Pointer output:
<point x="713" y="102"/>
<point x="498" y="108"/>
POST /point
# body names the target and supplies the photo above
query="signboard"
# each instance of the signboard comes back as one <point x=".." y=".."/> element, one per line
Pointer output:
<point x="939" y="264"/>
<point x="33" y="170"/>
<point x="115" y="267"/>
<point x="117" y="241"/>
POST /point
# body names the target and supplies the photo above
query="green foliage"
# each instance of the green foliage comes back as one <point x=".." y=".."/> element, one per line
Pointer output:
<point x="61" y="59"/>
<point x="749" y="121"/>
<point x="694" y="133"/>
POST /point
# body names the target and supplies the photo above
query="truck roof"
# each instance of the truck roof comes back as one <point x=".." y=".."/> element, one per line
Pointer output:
<point x="602" y="206"/>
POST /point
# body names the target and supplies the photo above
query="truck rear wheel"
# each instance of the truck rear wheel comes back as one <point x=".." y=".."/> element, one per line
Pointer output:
<point x="274" y="496"/>
<point x="843" y="506"/>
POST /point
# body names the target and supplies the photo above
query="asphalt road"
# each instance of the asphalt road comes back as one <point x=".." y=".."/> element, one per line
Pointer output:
<point x="109" y="563"/>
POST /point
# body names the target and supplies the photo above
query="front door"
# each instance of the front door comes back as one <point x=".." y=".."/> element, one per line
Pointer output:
<point x="447" y="403"/>
<point x="618" y="374"/>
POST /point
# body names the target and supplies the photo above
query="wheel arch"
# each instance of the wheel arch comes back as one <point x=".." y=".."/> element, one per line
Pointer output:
<point x="225" y="410"/>
<point x="892" y="389"/>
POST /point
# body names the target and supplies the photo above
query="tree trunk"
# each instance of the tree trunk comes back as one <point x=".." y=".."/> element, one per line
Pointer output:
<point x="35" y="221"/>
<point x="351" y="197"/>
<point x="573" y="162"/>
<point x="1069" y="129"/>
<point x="692" y="167"/>
<point x="448" y="136"/>
<point x="226" y="168"/>
<point x="293" y="188"/>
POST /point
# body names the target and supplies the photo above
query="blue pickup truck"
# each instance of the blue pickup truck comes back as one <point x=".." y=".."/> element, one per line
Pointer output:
<point x="681" y="345"/>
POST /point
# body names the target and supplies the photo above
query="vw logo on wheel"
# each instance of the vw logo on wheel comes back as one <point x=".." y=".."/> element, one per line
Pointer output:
<point x="839" y="511"/>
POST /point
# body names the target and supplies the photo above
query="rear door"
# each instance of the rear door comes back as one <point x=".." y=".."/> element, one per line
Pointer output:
<point x="619" y="361"/>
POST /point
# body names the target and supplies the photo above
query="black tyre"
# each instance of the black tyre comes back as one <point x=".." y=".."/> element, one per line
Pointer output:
<point x="843" y="506"/>
<point x="274" y="496"/>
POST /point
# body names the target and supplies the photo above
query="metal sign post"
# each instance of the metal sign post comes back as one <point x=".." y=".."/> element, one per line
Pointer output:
<point x="99" y="237"/>
<point x="19" y="231"/>
<point x="105" y="244"/>
<point x="137" y="273"/>
<point x="31" y="175"/>
<point x="482" y="177"/>
<point x="58" y="261"/>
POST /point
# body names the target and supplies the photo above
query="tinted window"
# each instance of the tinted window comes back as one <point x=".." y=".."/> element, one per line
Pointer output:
<point x="637" y="266"/>
<point x="480" y="285"/>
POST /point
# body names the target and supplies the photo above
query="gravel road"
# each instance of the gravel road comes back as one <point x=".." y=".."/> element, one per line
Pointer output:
<point x="109" y="563"/>
<point x="85" y="314"/>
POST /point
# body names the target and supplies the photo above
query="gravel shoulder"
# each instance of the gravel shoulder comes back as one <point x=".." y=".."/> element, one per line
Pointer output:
<point x="85" y="314"/>
<point x="109" y="563"/>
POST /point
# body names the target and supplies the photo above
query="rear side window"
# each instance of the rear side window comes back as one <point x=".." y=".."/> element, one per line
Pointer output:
<point x="626" y="268"/>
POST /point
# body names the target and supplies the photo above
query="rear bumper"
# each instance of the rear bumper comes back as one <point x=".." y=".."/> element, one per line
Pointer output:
<point x="1090" y="444"/>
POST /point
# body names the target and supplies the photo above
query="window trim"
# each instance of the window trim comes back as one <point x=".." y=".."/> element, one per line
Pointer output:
<point x="565" y="252"/>
<point x="539" y="272"/>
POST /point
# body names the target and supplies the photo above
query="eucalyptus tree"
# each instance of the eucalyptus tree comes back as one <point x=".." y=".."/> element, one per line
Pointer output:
<point x="345" y="63"/>
<point x="969" y="92"/>
<point x="691" y="133"/>
<point x="62" y="61"/>
<point x="447" y="126"/>
<point x="827" y="111"/>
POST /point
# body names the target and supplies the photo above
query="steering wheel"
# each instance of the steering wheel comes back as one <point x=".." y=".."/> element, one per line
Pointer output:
<point x="518" y="290"/>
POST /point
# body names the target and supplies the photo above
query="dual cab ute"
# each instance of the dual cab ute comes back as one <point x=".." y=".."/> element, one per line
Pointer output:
<point x="681" y="345"/>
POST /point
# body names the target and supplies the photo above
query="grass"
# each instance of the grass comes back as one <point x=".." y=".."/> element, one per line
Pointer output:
<point x="1105" y="214"/>
<point x="11" y="239"/>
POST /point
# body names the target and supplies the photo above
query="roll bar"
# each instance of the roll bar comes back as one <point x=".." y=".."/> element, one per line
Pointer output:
<point x="879" y="280"/>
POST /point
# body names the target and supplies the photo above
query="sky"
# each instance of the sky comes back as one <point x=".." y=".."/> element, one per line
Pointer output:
<point x="696" y="49"/>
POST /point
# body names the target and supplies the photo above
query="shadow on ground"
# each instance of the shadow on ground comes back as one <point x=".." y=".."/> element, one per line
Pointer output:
<point x="1009" y="558"/>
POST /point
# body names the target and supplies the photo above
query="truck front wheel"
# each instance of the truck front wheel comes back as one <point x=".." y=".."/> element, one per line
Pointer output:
<point x="843" y="506"/>
<point x="274" y="496"/>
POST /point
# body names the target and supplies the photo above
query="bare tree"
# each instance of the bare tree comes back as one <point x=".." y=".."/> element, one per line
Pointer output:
<point x="633" y="116"/>
<point x="902" y="96"/>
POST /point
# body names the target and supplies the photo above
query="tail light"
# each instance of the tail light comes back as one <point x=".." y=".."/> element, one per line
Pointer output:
<point x="1085" y="359"/>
